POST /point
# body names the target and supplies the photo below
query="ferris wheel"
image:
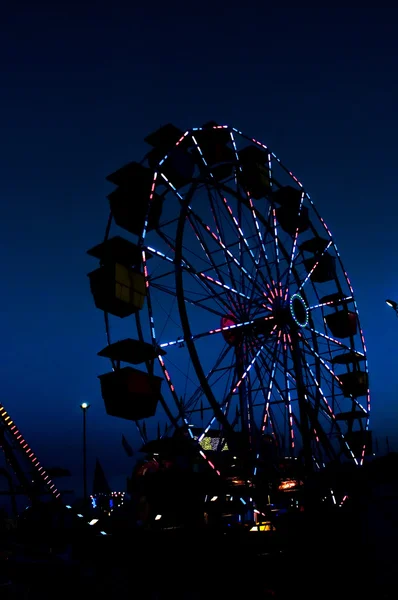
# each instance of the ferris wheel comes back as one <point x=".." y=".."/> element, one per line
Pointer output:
<point x="219" y="277"/>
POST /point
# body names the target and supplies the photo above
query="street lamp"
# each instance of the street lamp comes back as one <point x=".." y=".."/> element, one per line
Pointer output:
<point x="84" y="406"/>
<point x="393" y="305"/>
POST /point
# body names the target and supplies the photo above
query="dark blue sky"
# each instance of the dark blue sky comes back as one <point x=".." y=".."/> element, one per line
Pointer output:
<point x="80" y="89"/>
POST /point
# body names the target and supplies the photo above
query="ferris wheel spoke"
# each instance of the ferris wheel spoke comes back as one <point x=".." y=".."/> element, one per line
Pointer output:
<point x="208" y="253"/>
<point x="294" y="245"/>
<point x="271" y="380"/>
<point x="329" y="370"/>
<point x="197" y="302"/>
<point x="257" y="290"/>
<point x="267" y="362"/>
<point x="272" y="213"/>
<point x="319" y="257"/>
<point x="221" y="236"/>
<point x="321" y="439"/>
<point x="290" y="417"/>
<point x="316" y="355"/>
<point x="254" y="306"/>
<point x="228" y="384"/>
<point x="209" y="281"/>
<point x="266" y="403"/>
<point x="331" y="303"/>
<point x="215" y="295"/>
<point x="266" y="222"/>
<point x="330" y="411"/>
<point x="181" y="372"/>
<point x="236" y="224"/>
<point x="203" y="277"/>
<point x="192" y="401"/>
<point x="247" y="370"/>
<point x="288" y="399"/>
<point x="203" y="303"/>
<point x="233" y="390"/>
<point x="334" y="341"/>
<point x="262" y="250"/>
<point x="309" y="410"/>
<point x="272" y="423"/>
<point x="227" y="251"/>
<point x="164" y="404"/>
<point x="186" y="266"/>
<point x="279" y="371"/>
<point x="282" y="393"/>
<point x="213" y="331"/>
<point x="276" y="243"/>
<point x="252" y="210"/>
<point x="186" y="326"/>
<point x="271" y="155"/>
<point x="229" y="209"/>
<point x="317" y="433"/>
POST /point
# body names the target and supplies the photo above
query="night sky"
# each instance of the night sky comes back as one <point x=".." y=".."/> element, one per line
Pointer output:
<point x="81" y="88"/>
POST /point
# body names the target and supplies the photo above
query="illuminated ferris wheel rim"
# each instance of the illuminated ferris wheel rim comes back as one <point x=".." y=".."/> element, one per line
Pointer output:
<point x="299" y="308"/>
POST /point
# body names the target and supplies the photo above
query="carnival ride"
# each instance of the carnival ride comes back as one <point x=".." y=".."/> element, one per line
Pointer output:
<point x="22" y="463"/>
<point x="244" y="337"/>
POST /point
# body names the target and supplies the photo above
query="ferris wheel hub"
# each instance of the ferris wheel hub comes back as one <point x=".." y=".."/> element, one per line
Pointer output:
<point x="298" y="310"/>
<point x="290" y="311"/>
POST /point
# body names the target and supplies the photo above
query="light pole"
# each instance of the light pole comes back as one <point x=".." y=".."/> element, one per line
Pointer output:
<point x="84" y="406"/>
<point x="393" y="305"/>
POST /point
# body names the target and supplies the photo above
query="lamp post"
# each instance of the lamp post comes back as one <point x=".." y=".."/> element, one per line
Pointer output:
<point x="393" y="305"/>
<point x="84" y="406"/>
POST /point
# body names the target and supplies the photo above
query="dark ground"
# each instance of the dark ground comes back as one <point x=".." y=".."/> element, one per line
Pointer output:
<point x="338" y="555"/>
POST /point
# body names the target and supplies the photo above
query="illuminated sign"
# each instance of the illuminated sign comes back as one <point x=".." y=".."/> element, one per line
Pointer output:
<point x="213" y="444"/>
<point x="289" y="485"/>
